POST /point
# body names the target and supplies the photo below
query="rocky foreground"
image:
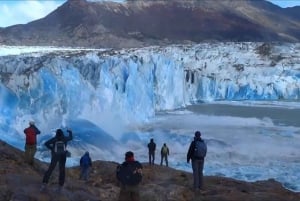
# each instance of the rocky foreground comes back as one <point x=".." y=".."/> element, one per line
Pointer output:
<point x="21" y="182"/>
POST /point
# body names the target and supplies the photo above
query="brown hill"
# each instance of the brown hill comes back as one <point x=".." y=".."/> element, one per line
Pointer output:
<point x="21" y="182"/>
<point x="142" y="23"/>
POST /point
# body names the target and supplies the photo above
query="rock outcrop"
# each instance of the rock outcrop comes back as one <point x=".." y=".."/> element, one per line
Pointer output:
<point x="21" y="182"/>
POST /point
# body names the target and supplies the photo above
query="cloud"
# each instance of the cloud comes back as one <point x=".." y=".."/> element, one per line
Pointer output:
<point x="22" y="12"/>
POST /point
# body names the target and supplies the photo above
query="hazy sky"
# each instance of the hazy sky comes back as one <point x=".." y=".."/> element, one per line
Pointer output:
<point x="24" y="11"/>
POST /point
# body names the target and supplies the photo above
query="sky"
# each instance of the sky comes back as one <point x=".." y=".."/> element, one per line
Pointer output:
<point x="23" y="11"/>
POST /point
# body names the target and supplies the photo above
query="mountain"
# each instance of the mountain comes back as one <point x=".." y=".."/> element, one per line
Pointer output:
<point x="293" y="12"/>
<point x="19" y="182"/>
<point x="143" y="23"/>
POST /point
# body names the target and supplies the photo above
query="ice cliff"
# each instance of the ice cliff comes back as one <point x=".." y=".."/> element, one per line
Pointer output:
<point x="55" y="84"/>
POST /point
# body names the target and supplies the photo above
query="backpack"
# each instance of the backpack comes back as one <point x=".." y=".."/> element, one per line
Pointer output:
<point x="128" y="173"/>
<point x="164" y="150"/>
<point x="59" y="147"/>
<point x="200" y="149"/>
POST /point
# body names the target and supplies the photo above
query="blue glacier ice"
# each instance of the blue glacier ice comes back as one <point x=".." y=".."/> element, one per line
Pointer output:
<point x="116" y="100"/>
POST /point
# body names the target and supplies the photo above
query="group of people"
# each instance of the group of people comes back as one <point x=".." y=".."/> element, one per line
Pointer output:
<point x="164" y="153"/>
<point x="129" y="173"/>
<point x="59" y="153"/>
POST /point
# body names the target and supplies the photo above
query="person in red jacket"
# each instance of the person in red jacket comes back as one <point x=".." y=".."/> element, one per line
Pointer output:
<point x="30" y="146"/>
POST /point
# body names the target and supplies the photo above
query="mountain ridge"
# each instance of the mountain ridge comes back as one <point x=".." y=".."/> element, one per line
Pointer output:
<point x="143" y="23"/>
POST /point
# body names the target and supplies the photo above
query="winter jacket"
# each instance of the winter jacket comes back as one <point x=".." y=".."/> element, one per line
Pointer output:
<point x="31" y="133"/>
<point x="59" y="137"/>
<point x="190" y="154"/>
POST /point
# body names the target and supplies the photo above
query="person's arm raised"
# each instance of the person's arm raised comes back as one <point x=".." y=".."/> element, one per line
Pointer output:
<point x="70" y="137"/>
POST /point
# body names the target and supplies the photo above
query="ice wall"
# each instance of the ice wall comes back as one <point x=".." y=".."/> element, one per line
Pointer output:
<point x="131" y="85"/>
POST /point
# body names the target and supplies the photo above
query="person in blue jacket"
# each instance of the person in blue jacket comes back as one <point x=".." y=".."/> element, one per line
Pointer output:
<point x="85" y="165"/>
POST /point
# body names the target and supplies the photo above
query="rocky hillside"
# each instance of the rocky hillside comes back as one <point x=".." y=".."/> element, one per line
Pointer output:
<point x="143" y="23"/>
<point x="21" y="182"/>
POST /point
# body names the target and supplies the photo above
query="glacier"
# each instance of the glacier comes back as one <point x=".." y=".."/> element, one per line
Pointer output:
<point x="114" y="100"/>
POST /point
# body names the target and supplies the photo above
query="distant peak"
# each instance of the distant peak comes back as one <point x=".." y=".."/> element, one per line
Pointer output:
<point x="77" y="2"/>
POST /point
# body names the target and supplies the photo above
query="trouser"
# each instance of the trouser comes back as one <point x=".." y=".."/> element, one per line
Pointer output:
<point x="164" y="156"/>
<point x="56" y="158"/>
<point x="84" y="173"/>
<point x="129" y="193"/>
<point x="151" y="158"/>
<point x="197" y="166"/>
<point x="30" y="151"/>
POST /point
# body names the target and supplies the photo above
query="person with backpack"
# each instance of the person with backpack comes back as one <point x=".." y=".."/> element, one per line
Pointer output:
<point x="129" y="174"/>
<point x="85" y="164"/>
<point x="151" y="151"/>
<point x="30" y="145"/>
<point x="196" y="153"/>
<point x="164" y="152"/>
<point x="57" y="145"/>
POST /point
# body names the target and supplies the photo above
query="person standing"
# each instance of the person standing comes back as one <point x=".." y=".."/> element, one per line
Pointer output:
<point x="164" y="152"/>
<point x="30" y="145"/>
<point x="197" y="152"/>
<point x="57" y="145"/>
<point x="129" y="174"/>
<point x="151" y="151"/>
<point x="85" y="165"/>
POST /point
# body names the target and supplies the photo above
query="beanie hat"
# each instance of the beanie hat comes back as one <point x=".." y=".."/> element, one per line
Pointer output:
<point x="129" y="154"/>
<point x="59" y="133"/>
<point x="197" y="134"/>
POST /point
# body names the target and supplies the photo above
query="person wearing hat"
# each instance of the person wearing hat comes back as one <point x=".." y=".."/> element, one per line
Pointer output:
<point x="30" y="145"/>
<point x="129" y="174"/>
<point x="196" y="153"/>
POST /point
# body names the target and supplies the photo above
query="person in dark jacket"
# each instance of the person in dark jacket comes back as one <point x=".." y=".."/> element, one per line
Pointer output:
<point x="57" y="156"/>
<point x="85" y="165"/>
<point x="30" y="146"/>
<point x="151" y="151"/>
<point x="129" y="174"/>
<point x="164" y="153"/>
<point x="197" y="162"/>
